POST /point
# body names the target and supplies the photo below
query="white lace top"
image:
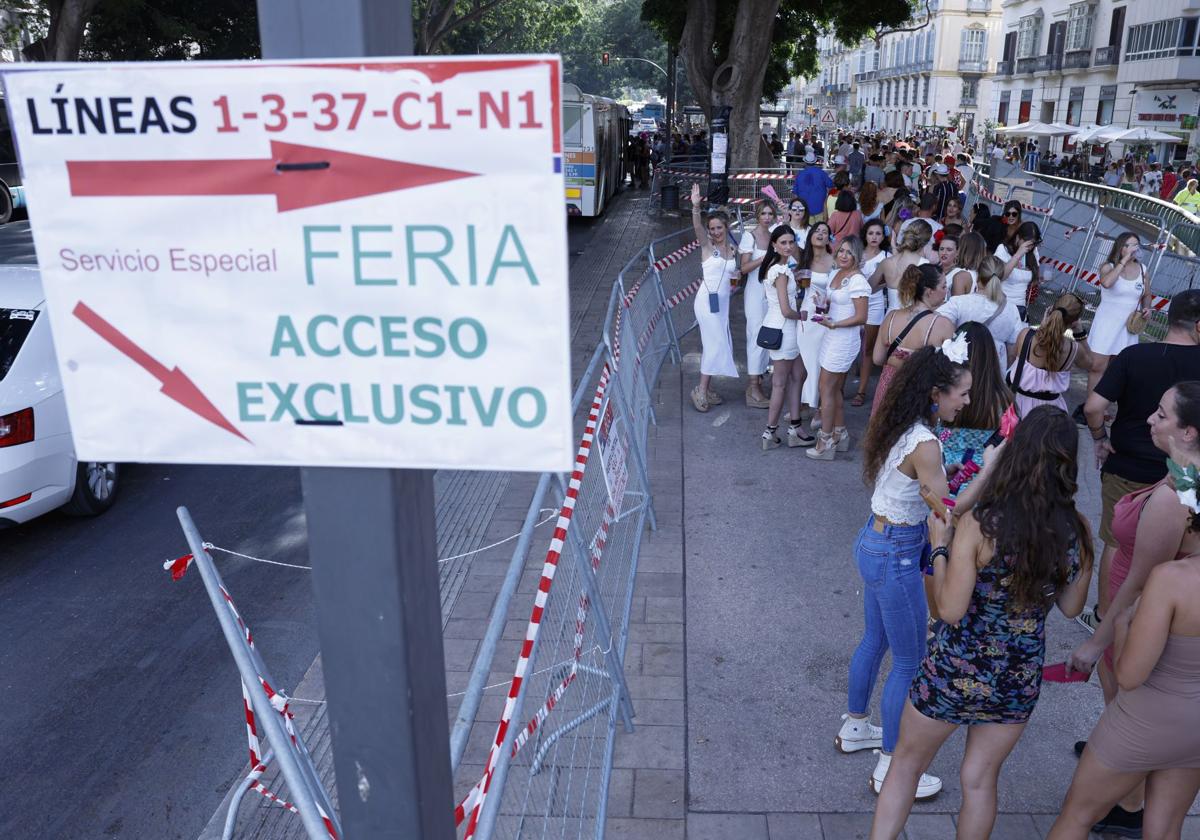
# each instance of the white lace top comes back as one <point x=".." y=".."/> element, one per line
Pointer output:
<point x="898" y="497"/>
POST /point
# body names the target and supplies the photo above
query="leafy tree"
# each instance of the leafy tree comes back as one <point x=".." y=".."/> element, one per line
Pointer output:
<point x="148" y="30"/>
<point x="518" y="26"/>
<point x="739" y="51"/>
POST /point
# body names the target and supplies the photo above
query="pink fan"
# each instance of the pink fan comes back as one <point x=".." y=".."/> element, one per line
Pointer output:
<point x="770" y="193"/>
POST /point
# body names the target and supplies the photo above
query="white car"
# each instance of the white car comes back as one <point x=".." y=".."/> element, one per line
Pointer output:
<point x="38" y="468"/>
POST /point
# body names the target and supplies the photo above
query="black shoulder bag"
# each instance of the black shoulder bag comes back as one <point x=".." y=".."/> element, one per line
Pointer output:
<point x="904" y="332"/>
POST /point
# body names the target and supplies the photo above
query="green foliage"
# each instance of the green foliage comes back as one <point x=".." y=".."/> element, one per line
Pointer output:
<point x="614" y="27"/>
<point x="795" y="32"/>
<point x="148" y="30"/>
<point x="517" y="26"/>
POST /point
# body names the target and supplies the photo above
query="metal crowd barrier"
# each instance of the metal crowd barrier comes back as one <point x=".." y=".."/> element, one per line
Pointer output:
<point x="548" y="767"/>
<point x="1080" y="222"/>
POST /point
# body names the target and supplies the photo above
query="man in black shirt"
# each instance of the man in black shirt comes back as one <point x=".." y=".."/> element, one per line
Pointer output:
<point x="1136" y="379"/>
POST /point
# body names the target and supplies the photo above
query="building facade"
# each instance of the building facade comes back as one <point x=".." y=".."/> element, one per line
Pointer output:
<point x="1127" y="63"/>
<point x="938" y="75"/>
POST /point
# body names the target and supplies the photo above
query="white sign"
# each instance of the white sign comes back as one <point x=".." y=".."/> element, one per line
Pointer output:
<point x="614" y="454"/>
<point x="828" y="117"/>
<point x="352" y="263"/>
<point x="1164" y="108"/>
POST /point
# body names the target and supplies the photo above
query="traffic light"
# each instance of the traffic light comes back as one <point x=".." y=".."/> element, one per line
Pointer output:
<point x="604" y="59"/>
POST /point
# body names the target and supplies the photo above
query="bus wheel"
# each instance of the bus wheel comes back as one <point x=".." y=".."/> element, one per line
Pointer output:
<point x="6" y="204"/>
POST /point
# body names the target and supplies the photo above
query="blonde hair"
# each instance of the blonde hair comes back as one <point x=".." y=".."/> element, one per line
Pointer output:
<point x="990" y="284"/>
<point x="915" y="237"/>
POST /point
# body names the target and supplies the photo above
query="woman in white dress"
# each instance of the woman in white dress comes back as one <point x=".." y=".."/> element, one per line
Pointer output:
<point x="778" y="274"/>
<point x="988" y="305"/>
<point x="1019" y="256"/>
<point x="797" y="218"/>
<point x="910" y="250"/>
<point x="718" y="263"/>
<point x="751" y="251"/>
<point x="1123" y="289"/>
<point x="816" y="267"/>
<point x="972" y="248"/>
<point x="846" y="305"/>
<point x="874" y="253"/>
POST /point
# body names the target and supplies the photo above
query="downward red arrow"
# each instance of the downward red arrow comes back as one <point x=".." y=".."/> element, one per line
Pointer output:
<point x="298" y="176"/>
<point x="175" y="383"/>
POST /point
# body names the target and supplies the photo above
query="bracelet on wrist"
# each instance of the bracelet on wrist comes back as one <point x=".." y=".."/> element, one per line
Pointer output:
<point x="940" y="551"/>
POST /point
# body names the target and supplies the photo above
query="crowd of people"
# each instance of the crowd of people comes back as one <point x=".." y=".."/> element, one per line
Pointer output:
<point x="972" y="460"/>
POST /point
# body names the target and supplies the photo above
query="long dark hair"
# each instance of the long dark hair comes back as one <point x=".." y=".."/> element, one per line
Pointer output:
<point x="990" y="396"/>
<point x="1114" y="256"/>
<point x="1027" y="507"/>
<point x="1031" y="232"/>
<point x="774" y="256"/>
<point x="1010" y="231"/>
<point x="807" y="255"/>
<point x="905" y="403"/>
<point x="876" y="222"/>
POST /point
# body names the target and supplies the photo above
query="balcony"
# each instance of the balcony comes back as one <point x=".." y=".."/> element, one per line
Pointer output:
<point x="1079" y="60"/>
<point x="1025" y="65"/>
<point x="968" y="66"/>
<point x="979" y="6"/>
<point x="1005" y="68"/>
<point x="842" y="87"/>
<point x="868" y="76"/>
<point x="1108" y="56"/>
<point x="969" y="101"/>
<point x="1048" y="63"/>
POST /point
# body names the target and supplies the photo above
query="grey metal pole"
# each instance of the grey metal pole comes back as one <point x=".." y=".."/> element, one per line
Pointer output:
<point x="373" y="548"/>
<point x="264" y="714"/>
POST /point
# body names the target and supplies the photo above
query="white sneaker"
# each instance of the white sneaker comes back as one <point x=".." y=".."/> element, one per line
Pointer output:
<point x="858" y="734"/>
<point x="927" y="786"/>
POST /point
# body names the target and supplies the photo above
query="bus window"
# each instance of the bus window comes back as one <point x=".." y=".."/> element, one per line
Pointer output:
<point x="573" y="125"/>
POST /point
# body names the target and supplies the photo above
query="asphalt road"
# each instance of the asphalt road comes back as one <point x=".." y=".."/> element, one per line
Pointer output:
<point x="120" y="708"/>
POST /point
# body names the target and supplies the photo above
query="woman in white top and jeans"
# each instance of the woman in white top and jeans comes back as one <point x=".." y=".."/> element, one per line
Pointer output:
<point x="900" y="453"/>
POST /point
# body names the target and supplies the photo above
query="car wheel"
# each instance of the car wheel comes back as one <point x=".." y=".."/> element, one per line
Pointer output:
<point x="6" y="204"/>
<point x="95" y="489"/>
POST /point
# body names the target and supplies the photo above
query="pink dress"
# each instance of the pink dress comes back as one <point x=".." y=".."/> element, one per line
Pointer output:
<point x="1041" y="387"/>
<point x="1126" y="513"/>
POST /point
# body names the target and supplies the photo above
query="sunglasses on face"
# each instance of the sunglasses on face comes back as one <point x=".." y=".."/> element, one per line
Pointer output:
<point x="1012" y="215"/>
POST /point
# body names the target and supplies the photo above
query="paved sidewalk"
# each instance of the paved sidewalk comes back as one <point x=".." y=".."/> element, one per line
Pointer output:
<point x="739" y="742"/>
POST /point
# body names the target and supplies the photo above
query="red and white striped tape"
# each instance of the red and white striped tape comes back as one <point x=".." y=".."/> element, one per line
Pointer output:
<point x="1074" y="230"/>
<point x="684" y="293"/>
<point x="178" y="568"/>
<point x="991" y="196"/>
<point x="676" y="255"/>
<point x="471" y="806"/>
<point x="1157" y="302"/>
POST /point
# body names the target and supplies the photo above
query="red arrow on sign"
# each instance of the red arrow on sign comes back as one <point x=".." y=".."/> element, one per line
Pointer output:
<point x="298" y="176"/>
<point x="175" y="383"/>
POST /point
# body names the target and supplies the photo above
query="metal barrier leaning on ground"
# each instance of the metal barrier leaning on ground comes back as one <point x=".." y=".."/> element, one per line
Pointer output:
<point x="265" y="708"/>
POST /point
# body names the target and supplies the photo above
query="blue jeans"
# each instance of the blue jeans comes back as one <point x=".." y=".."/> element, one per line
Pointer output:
<point x="896" y="617"/>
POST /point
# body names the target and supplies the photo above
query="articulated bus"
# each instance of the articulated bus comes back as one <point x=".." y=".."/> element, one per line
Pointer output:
<point x="595" y="137"/>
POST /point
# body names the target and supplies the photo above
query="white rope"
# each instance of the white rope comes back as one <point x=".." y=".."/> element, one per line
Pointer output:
<point x="553" y="514"/>
<point x="552" y="511"/>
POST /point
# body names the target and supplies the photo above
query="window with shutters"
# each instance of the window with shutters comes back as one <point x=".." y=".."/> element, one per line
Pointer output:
<point x="1029" y="36"/>
<point x="929" y="43"/>
<point x="925" y="94"/>
<point x="974" y="45"/>
<point x="1080" y="21"/>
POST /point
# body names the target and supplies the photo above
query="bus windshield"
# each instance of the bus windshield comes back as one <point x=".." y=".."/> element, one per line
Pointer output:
<point x="572" y="125"/>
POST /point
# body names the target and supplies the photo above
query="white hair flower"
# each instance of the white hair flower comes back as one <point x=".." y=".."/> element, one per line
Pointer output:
<point x="1186" y="480"/>
<point x="955" y="349"/>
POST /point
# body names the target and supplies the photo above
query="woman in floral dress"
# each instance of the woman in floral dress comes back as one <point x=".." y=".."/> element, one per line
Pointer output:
<point x="1020" y="550"/>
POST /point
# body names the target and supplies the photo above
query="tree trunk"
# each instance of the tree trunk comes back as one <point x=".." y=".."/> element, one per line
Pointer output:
<point x="68" y="18"/>
<point x="738" y="81"/>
